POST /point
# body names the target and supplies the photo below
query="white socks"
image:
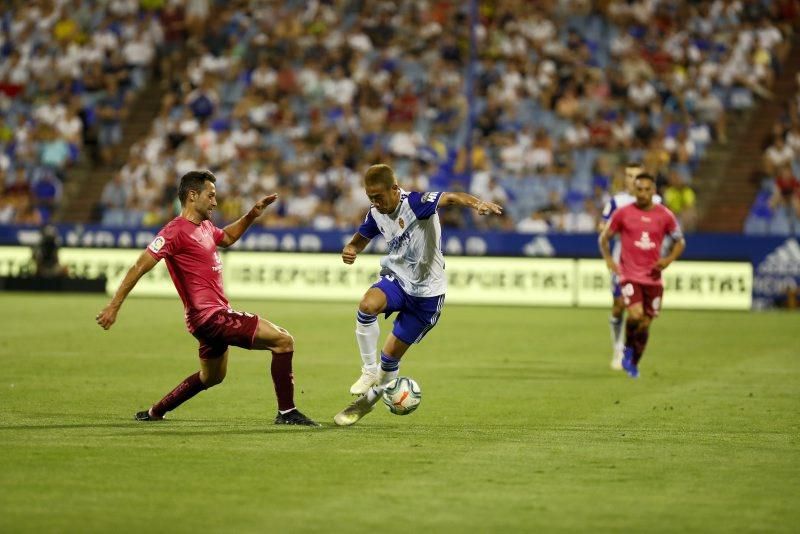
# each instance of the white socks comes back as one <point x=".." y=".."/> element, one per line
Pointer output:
<point x="367" y="334"/>
<point x="389" y="370"/>
<point x="616" y="331"/>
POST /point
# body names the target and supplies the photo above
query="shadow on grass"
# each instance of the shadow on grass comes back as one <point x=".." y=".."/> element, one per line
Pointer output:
<point x="172" y="428"/>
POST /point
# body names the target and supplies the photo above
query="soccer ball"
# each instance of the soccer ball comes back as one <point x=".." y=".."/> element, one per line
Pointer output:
<point x="402" y="395"/>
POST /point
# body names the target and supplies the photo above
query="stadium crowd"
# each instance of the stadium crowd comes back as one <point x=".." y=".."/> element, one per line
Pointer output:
<point x="68" y="73"/>
<point x="300" y="97"/>
<point x="776" y="209"/>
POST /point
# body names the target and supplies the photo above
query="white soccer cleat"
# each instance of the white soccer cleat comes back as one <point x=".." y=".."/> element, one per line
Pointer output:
<point x="364" y="382"/>
<point x="355" y="411"/>
<point x="616" y="360"/>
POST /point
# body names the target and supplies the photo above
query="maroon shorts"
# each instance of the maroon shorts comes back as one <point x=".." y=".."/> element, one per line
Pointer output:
<point x="223" y="328"/>
<point x="647" y="294"/>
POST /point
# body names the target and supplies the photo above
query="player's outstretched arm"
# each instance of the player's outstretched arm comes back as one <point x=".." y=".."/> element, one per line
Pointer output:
<point x="236" y="229"/>
<point x="465" y="199"/>
<point x="605" y="248"/>
<point x="108" y="315"/>
<point x="353" y="248"/>
<point x="677" y="249"/>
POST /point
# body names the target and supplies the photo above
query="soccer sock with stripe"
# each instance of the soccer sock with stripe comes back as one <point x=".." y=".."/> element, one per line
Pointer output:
<point x="184" y="391"/>
<point x="390" y="368"/>
<point x="616" y="331"/>
<point x="283" y="378"/>
<point x="367" y="334"/>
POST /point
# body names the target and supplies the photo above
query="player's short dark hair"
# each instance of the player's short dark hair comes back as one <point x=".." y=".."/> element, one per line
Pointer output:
<point x="646" y="176"/>
<point x="380" y="174"/>
<point x="634" y="165"/>
<point x="194" y="181"/>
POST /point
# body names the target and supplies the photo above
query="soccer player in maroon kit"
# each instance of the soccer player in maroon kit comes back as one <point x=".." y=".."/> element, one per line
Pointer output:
<point x="188" y="244"/>
<point x="642" y="227"/>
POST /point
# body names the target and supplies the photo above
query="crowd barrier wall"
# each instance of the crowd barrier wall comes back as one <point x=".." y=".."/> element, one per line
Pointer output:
<point x="713" y="264"/>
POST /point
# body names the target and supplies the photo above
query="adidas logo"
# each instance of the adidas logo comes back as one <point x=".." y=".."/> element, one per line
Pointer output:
<point x="784" y="260"/>
<point x="539" y="246"/>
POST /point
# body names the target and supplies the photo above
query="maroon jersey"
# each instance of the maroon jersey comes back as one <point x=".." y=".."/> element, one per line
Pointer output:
<point x="195" y="267"/>
<point x="641" y="234"/>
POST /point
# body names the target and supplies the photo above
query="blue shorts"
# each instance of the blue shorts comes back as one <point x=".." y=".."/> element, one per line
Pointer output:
<point x="616" y="289"/>
<point x="417" y="315"/>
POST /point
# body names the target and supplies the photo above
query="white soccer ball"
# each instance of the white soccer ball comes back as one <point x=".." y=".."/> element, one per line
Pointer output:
<point x="402" y="395"/>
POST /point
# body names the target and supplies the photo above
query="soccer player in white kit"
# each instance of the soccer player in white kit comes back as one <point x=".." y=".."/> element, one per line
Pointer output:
<point x="412" y="282"/>
<point x="620" y="200"/>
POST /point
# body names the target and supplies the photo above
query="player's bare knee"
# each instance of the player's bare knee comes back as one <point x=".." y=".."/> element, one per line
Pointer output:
<point x="635" y="316"/>
<point x="210" y="380"/>
<point x="369" y="307"/>
<point x="285" y="343"/>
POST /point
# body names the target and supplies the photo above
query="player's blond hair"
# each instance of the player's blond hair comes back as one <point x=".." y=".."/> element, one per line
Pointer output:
<point x="634" y="165"/>
<point x="380" y="174"/>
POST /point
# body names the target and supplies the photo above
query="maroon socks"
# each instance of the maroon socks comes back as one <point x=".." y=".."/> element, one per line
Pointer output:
<point x="282" y="377"/>
<point x="636" y="338"/>
<point x="183" y="392"/>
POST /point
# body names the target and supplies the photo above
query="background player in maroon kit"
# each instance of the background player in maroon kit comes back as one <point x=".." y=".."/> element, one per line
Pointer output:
<point x="188" y="244"/>
<point x="642" y="227"/>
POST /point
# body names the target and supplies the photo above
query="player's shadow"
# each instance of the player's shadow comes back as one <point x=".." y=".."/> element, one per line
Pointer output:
<point x="168" y="428"/>
<point x="62" y="426"/>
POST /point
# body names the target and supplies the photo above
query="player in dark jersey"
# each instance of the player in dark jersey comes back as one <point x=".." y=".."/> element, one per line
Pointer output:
<point x="188" y="244"/>
<point x="642" y="227"/>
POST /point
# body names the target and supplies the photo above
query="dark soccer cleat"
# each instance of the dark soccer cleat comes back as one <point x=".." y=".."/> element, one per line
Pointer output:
<point x="295" y="417"/>
<point x="145" y="416"/>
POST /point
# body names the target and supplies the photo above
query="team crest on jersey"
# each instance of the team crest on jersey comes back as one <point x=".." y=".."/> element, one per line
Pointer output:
<point x="401" y="222"/>
<point x="157" y="244"/>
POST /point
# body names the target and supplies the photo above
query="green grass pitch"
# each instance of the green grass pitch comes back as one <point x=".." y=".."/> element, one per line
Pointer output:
<point x="522" y="426"/>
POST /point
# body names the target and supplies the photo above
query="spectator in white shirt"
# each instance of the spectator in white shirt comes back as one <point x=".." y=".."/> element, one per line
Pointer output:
<point x="535" y="223"/>
<point x="245" y="137"/>
<point x="777" y="155"/>
<point x="641" y="94"/>
<point x="301" y="207"/>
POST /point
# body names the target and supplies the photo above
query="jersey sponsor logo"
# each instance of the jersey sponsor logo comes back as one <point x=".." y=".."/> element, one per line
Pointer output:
<point x="397" y="242"/>
<point x="430" y="196"/>
<point x="218" y="261"/>
<point x="157" y="244"/>
<point x="644" y="242"/>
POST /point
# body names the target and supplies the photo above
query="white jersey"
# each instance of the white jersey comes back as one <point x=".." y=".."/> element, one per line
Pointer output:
<point x="620" y="200"/>
<point x="414" y="243"/>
